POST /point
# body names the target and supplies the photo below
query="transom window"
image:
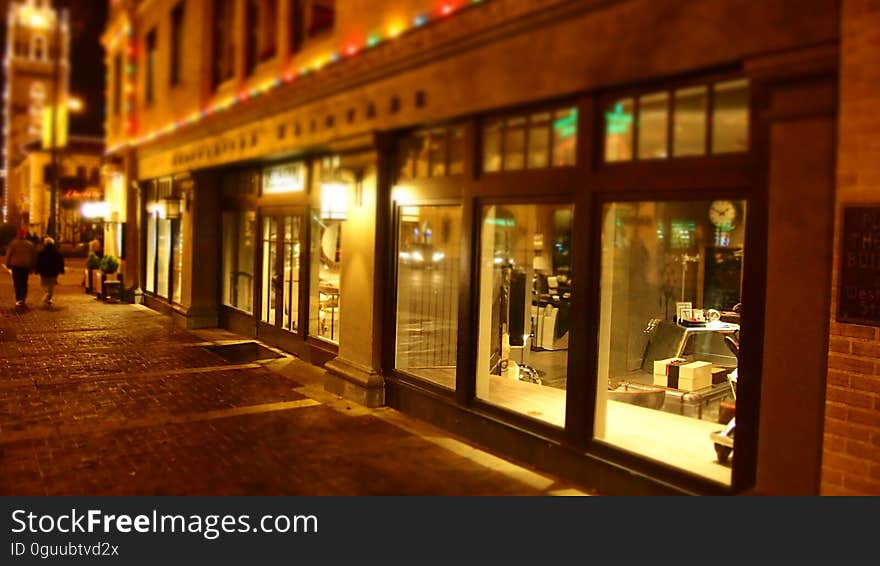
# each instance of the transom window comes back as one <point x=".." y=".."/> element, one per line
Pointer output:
<point x="432" y="152"/>
<point x="545" y="138"/>
<point x="690" y="121"/>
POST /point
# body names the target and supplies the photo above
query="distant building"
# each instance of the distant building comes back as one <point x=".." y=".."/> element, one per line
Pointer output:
<point x="33" y="46"/>
<point x="80" y="182"/>
<point x="507" y="216"/>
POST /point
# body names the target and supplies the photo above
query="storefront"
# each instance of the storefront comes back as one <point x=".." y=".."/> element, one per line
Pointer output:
<point x="283" y="234"/>
<point x="558" y="281"/>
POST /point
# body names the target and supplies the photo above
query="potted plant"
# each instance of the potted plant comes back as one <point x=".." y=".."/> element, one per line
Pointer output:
<point x="93" y="265"/>
<point x="109" y="267"/>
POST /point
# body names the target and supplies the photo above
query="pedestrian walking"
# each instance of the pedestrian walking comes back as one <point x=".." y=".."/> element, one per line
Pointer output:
<point x="20" y="260"/>
<point x="50" y="264"/>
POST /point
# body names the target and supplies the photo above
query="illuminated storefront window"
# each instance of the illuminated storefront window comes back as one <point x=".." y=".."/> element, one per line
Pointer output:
<point x="525" y="309"/>
<point x="671" y="284"/>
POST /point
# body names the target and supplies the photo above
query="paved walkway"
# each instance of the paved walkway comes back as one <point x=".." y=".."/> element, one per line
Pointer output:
<point x="112" y="399"/>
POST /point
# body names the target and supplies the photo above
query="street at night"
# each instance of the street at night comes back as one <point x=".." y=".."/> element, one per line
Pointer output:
<point x="111" y="399"/>
<point x="440" y="247"/>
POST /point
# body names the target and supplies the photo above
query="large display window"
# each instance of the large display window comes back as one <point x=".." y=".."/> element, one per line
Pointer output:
<point x="428" y="262"/>
<point x="239" y="234"/>
<point x="525" y="309"/>
<point x="671" y="286"/>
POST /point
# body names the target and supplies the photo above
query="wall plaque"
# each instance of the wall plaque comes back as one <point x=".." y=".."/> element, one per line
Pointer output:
<point x="859" y="300"/>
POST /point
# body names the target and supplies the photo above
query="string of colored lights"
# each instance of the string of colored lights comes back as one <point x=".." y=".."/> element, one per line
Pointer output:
<point x="351" y="49"/>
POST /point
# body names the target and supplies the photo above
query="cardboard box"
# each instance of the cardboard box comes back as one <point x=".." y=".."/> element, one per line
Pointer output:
<point x="666" y="372"/>
<point x="695" y="375"/>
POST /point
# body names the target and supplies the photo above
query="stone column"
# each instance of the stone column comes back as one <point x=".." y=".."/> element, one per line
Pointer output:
<point x="356" y="372"/>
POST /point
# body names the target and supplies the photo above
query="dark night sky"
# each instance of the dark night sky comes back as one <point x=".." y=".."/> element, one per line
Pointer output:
<point x="87" y="18"/>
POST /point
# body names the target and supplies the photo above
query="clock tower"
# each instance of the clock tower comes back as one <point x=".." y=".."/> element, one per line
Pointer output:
<point x="37" y="51"/>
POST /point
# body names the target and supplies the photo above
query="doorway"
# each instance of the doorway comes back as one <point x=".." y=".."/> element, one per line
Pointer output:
<point x="281" y="313"/>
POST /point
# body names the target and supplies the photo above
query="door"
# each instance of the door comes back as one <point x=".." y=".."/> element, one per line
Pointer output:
<point x="281" y="274"/>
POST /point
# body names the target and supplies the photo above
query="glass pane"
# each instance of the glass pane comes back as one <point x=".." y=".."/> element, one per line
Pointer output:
<point x="291" y="273"/>
<point x="427" y="292"/>
<point x="151" y="253"/>
<point x="421" y="148"/>
<point x="525" y="309"/>
<point x="244" y="272"/>
<point x="456" y="151"/>
<point x="565" y="134"/>
<point x="163" y="254"/>
<point x="228" y="235"/>
<point x="619" y="131"/>
<point x="670" y="281"/>
<point x="514" y="144"/>
<point x="539" y="140"/>
<point x="326" y="265"/>
<point x="492" y="147"/>
<point x="690" y="121"/>
<point x="653" y="125"/>
<point x="730" y="117"/>
<point x="437" y="153"/>
<point x="268" y="298"/>
<point x="177" y="260"/>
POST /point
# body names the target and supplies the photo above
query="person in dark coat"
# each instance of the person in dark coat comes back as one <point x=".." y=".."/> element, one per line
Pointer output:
<point x="20" y="261"/>
<point x="50" y="264"/>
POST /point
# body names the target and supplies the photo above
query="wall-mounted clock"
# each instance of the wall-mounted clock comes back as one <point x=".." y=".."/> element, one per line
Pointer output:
<point x="723" y="214"/>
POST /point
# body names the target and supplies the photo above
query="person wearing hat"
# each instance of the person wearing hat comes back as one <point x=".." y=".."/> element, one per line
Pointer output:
<point x="20" y="260"/>
<point x="50" y="264"/>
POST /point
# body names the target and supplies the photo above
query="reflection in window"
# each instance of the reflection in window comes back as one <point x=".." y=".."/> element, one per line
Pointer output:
<point x="290" y="266"/>
<point x="525" y="309"/>
<point x="239" y="234"/>
<point x="176" y="260"/>
<point x="163" y="257"/>
<point x="690" y="122"/>
<point x="326" y="261"/>
<point x="653" y="125"/>
<point x="540" y="140"/>
<point x="730" y="118"/>
<point x="428" y="250"/>
<point x="268" y="294"/>
<point x="152" y="232"/>
<point x="438" y="152"/>
<point x="619" y="131"/>
<point x="670" y="281"/>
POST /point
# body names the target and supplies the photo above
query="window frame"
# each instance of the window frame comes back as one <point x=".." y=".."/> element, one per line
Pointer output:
<point x="176" y="60"/>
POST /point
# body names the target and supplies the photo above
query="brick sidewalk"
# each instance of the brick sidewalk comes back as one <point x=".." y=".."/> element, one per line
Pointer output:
<point x="101" y="399"/>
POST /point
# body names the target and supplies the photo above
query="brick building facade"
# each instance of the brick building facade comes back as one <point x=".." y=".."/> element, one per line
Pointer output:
<point x="851" y="455"/>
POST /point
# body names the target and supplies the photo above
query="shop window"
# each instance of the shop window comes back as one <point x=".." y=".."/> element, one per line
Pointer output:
<point x="653" y="125"/>
<point x="428" y="252"/>
<point x="535" y="141"/>
<point x="270" y="246"/>
<point x="730" y="117"/>
<point x="438" y="152"/>
<point x="689" y="132"/>
<point x="152" y="232"/>
<point x="326" y="260"/>
<point x="177" y="241"/>
<point x="163" y="256"/>
<point x="690" y="107"/>
<point x="525" y="309"/>
<point x="671" y="285"/>
<point x="239" y="238"/>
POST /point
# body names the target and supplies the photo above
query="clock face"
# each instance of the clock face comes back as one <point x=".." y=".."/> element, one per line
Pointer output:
<point x="722" y="213"/>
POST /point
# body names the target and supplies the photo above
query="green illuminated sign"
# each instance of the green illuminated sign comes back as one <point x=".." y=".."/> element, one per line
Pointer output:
<point x="567" y="125"/>
<point x="618" y="121"/>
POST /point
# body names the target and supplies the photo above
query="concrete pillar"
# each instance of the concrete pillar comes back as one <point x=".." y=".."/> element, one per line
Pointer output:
<point x="356" y="372"/>
<point x="201" y="261"/>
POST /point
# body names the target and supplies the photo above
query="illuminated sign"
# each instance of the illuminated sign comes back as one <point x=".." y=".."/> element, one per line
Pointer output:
<point x="618" y="121"/>
<point x="284" y="179"/>
<point x="60" y="126"/>
<point x="95" y="210"/>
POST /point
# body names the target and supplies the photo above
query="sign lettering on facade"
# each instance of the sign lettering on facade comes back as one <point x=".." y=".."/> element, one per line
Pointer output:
<point x="859" y="300"/>
<point x="288" y="178"/>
